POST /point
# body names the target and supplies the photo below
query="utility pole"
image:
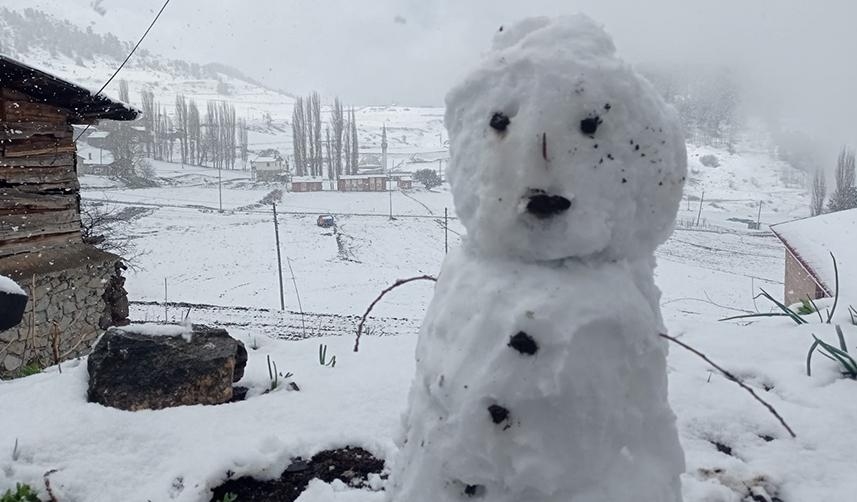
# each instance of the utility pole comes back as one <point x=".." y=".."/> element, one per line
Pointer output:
<point x="445" y="230"/>
<point x="219" y="189"/>
<point x="166" y="319"/>
<point x="279" y="258"/>
<point x="759" y="217"/>
<point x="390" y="191"/>
<point x="385" y="167"/>
<point x="699" y="214"/>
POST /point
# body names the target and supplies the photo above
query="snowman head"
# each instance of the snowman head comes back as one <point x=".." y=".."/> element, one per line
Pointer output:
<point x="561" y="150"/>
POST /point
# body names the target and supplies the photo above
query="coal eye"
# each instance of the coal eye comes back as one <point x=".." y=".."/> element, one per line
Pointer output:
<point x="499" y="122"/>
<point x="589" y="125"/>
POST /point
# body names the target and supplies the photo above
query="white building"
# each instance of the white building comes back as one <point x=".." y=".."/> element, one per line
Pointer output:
<point x="268" y="169"/>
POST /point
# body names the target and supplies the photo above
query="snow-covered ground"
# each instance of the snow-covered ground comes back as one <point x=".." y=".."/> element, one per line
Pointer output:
<point x="178" y="454"/>
<point x="227" y="260"/>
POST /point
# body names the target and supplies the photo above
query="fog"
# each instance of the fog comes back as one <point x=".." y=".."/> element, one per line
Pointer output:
<point x="794" y="59"/>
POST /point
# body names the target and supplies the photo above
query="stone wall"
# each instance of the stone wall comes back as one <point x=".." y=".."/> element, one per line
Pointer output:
<point x="76" y="292"/>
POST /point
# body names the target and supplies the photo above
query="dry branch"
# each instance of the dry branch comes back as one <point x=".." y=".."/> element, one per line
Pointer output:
<point x="732" y="377"/>
<point x="48" y="489"/>
<point x="395" y="285"/>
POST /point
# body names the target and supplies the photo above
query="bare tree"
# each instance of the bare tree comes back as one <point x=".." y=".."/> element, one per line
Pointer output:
<point x="346" y="148"/>
<point x="123" y="142"/>
<point x="331" y="153"/>
<point x="108" y="228"/>
<point x="299" y="137"/>
<point x="123" y="91"/>
<point x="819" y="192"/>
<point x="243" y="143"/>
<point x="309" y="129"/>
<point x="845" y="194"/>
<point x="147" y="98"/>
<point x="316" y="123"/>
<point x="337" y="121"/>
<point x="355" y="147"/>
<point x="182" y="126"/>
<point x="194" y="133"/>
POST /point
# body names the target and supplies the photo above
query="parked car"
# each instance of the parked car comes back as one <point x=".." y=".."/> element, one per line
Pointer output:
<point x="325" y="221"/>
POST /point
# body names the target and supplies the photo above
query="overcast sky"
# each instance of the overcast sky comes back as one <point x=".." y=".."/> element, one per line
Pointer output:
<point x="798" y="54"/>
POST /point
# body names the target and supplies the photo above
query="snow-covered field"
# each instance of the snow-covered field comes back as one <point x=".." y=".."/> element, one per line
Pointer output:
<point x="228" y="259"/>
<point x="178" y="454"/>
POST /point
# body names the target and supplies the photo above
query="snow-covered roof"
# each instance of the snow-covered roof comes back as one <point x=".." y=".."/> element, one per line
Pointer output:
<point x="812" y="240"/>
<point x="82" y="104"/>
<point x="361" y="176"/>
<point x="264" y="159"/>
<point x="304" y="179"/>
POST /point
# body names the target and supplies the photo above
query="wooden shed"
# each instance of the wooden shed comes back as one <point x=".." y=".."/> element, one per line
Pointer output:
<point x="39" y="206"/>
<point x="74" y="289"/>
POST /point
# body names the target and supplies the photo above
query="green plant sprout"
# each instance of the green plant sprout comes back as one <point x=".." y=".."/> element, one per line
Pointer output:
<point x="272" y="374"/>
<point x="322" y="357"/>
<point x="23" y="493"/>
<point x="839" y="355"/>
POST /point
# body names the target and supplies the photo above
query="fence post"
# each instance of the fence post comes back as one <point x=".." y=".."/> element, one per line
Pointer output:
<point x="279" y="259"/>
<point x="701" y="200"/>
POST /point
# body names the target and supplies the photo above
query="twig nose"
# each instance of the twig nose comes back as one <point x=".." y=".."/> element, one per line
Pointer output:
<point x="544" y="206"/>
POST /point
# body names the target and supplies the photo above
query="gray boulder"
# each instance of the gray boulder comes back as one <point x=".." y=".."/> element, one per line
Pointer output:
<point x="154" y="367"/>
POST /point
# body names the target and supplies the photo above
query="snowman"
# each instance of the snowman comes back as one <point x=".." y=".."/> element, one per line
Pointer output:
<point x="540" y="373"/>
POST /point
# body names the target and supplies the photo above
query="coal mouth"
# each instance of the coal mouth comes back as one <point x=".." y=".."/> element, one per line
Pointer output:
<point x="544" y="206"/>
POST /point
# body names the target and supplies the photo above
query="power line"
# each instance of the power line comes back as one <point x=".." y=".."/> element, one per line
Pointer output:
<point x="151" y="25"/>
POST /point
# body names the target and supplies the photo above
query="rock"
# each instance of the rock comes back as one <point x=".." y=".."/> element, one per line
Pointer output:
<point x="12" y="307"/>
<point x="145" y="367"/>
<point x="115" y="300"/>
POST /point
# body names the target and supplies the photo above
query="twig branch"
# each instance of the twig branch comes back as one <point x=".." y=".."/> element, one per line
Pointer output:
<point x="297" y="294"/>
<point x="395" y="285"/>
<point x="732" y="377"/>
<point x="48" y="489"/>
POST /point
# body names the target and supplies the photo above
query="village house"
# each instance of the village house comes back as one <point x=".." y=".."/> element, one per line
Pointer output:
<point x="402" y="181"/>
<point x="75" y="290"/>
<point x="93" y="160"/>
<point x="268" y="169"/>
<point x="809" y="243"/>
<point x="362" y="183"/>
<point x="305" y="184"/>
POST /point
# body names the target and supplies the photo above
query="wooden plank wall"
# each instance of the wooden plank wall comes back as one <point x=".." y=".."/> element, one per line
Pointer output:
<point x="39" y="191"/>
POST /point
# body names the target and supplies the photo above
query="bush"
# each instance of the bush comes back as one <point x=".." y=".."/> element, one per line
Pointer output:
<point x="428" y="177"/>
<point x="709" y="160"/>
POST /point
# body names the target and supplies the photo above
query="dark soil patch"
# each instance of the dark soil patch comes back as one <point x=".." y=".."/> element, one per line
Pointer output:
<point x="350" y="465"/>
<point x="722" y="448"/>
<point x="239" y="393"/>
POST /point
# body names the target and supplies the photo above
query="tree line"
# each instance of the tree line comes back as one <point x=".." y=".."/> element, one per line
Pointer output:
<point x="844" y="195"/>
<point x="338" y="148"/>
<point x="214" y="138"/>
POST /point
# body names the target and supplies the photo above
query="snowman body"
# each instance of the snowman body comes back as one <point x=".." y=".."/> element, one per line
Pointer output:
<point x="540" y="373"/>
